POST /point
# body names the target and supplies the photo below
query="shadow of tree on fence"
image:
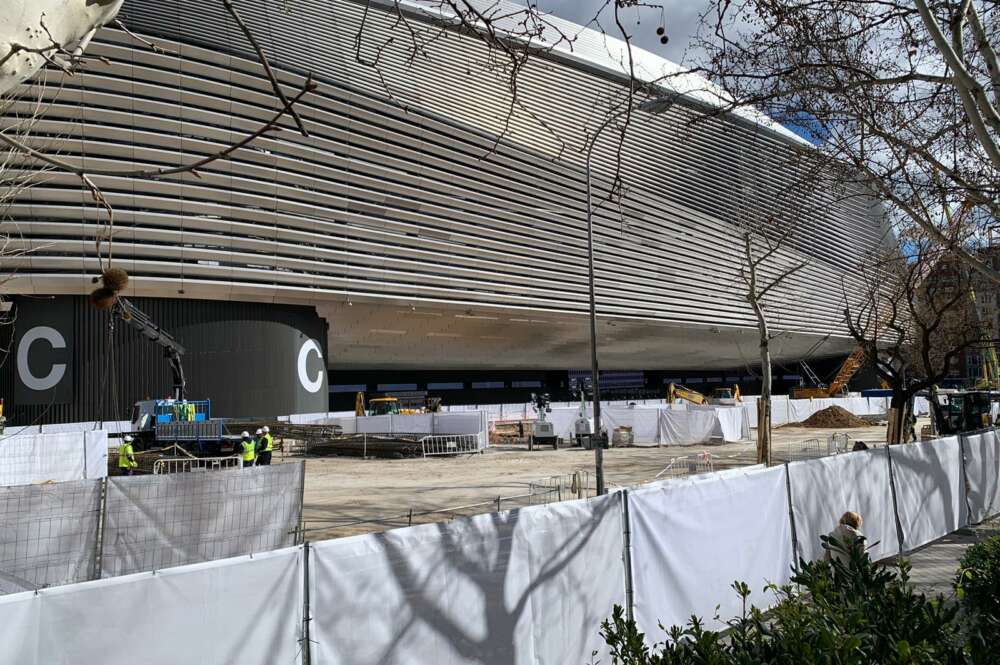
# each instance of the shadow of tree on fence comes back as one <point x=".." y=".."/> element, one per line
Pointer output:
<point x="487" y="589"/>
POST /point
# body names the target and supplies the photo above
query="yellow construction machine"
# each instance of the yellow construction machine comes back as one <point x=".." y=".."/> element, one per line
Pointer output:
<point x="848" y="369"/>
<point x="719" y="395"/>
<point x="390" y="406"/>
<point x="990" y="380"/>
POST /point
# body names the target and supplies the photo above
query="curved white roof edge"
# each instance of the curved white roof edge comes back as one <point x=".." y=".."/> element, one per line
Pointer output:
<point x="600" y="52"/>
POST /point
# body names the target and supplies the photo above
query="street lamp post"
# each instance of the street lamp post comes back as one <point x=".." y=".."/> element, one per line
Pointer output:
<point x="656" y="105"/>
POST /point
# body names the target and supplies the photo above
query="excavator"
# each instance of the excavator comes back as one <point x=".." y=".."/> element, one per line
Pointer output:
<point x="838" y="386"/>
<point x="723" y="396"/>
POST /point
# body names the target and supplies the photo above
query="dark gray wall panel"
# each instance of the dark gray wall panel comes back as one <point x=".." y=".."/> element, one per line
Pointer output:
<point x="244" y="357"/>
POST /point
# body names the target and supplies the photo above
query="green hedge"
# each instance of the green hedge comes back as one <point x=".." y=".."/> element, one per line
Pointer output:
<point x="978" y="583"/>
<point x="861" y="612"/>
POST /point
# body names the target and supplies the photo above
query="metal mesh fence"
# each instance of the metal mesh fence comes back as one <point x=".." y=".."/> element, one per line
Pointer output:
<point x="155" y="522"/>
<point x="48" y="534"/>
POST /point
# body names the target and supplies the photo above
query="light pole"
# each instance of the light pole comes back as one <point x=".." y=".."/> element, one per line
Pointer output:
<point x="597" y="435"/>
<point x="655" y="105"/>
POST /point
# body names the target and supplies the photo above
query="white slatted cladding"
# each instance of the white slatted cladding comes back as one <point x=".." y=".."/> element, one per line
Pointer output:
<point x="384" y="200"/>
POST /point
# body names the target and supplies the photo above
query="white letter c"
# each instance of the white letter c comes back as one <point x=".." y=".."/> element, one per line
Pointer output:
<point x="58" y="370"/>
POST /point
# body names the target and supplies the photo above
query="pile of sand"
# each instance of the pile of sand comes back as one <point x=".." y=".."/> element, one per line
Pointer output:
<point x="834" y="416"/>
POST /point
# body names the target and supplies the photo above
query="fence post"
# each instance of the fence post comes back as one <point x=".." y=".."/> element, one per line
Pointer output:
<point x="102" y="519"/>
<point x="895" y="503"/>
<point x="965" y="480"/>
<point x="302" y="501"/>
<point x="791" y="518"/>
<point x="627" y="558"/>
<point x="306" y="607"/>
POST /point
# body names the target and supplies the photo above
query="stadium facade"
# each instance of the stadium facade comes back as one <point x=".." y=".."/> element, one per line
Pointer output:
<point x="423" y="229"/>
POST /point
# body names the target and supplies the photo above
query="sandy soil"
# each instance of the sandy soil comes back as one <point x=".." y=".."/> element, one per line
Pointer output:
<point x="346" y="496"/>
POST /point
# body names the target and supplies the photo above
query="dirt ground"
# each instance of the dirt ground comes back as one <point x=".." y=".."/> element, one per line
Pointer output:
<point x="348" y="495"/>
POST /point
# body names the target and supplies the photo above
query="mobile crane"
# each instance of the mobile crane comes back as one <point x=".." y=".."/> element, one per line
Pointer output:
<point x="847" y="370"/>
<point x="176" y="419"/>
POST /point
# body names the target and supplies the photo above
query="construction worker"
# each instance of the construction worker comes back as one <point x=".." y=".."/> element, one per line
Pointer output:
<point x="266" y="446"/>
<point x="126" y="457"/>
<point x="248" y="447"/>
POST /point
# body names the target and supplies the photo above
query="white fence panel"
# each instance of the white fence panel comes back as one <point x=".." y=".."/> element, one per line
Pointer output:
<point x="422" y="423"/>
<point x="159" y="521"/>
<point x="800" y="409"/>
<point x="732" y="425"/>
<point x="246" y="611"/>
<point x="373" y="424"/>
<point x="37" y="458"/>
<point x="687" y="427"/>
<point x="96" y="454"/>
<point x="563" y="418"/>
<point x="692" y="538"/>
<point x="930" y="491"/>
<point x="645" y="423"/>
<point x="524" y="587"/>
<point x="824" y="489"/>
<point x="48" y="534"/>
<point x="113" y="427"/>
<point x="982" y="469"/>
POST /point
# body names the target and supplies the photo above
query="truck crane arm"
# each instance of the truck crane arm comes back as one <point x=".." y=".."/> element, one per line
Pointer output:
<point x="172" y="349"/>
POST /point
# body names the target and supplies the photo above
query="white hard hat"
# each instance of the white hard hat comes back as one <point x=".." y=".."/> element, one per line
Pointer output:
<point x="266" y="430"/>
<point x="128" y="438"/>
<point x="245" y="435"/>
<point x="259" y="431"/>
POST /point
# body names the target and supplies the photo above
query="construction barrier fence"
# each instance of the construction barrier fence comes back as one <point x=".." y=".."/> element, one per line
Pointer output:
<point x="54" y="457"/>
<point x="82" y="530"/>
<point x="526" y="586"/>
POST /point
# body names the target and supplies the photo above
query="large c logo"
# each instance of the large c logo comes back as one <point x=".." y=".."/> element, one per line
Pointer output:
<point x="312" y="385"/>
<point x="57" y="371"/>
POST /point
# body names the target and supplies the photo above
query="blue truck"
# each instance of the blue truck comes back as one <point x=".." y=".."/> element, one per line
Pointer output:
<point x="189" y="423"/>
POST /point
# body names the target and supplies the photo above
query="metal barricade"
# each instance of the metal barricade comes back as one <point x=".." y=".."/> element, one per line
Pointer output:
<point x="691" y="465"/>
<point x="576" y="485"/>
<point x="450" y="444"/>
<point x="804" y="449"/>
<point x="840" y="442"/>
<point x="189" y="464"/>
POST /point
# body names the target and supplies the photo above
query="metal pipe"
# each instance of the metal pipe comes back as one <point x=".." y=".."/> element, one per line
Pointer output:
<point x="306" y="648"/>
<point x="594" y="368"/>
<point x="627" y="558"/>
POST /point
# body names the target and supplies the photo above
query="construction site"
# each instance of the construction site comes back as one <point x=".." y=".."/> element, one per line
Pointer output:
<point x="447" y="348"/>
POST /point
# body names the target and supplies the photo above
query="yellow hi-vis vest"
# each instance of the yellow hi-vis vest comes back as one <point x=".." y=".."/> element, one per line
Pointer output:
<point x="249" y="450"/>
<point x="126" y="456"/>
<point x="189" y="411"/>
<point x="268" y="442"/>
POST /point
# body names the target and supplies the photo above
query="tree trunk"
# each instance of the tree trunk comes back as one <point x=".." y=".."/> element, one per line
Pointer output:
<point x="897" y="430"/>
<point x="764" y="404"/>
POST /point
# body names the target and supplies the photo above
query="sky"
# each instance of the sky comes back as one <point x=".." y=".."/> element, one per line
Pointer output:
<point x="679" y="19"/>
